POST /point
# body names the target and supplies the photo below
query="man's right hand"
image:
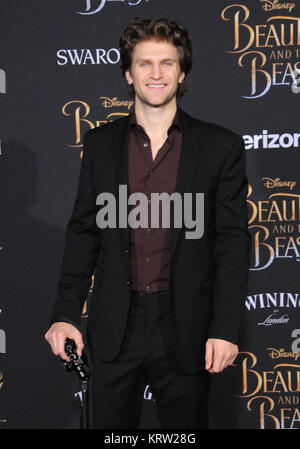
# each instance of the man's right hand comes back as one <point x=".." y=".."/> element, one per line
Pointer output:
<point x="56" y="337"/>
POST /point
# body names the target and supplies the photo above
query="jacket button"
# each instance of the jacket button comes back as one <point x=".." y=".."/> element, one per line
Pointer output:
<point x="128" y="282"/>
<point x="126" y="251"/>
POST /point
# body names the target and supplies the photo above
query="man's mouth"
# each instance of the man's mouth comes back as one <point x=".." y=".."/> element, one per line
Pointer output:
<point x="156" y="86"/>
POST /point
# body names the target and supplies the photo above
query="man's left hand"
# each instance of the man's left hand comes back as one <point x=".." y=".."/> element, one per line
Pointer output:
<point x="219" y="354"/>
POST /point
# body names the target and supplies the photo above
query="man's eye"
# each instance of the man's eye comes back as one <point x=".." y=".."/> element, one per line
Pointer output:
<point x="168" y="63"/>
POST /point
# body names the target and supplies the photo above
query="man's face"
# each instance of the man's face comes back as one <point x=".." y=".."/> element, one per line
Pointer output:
<point x="155" y="72"/>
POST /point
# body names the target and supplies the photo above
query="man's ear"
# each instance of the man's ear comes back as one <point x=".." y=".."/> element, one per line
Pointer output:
<point x="128" y="77"/>
<point x="181" y="77"/>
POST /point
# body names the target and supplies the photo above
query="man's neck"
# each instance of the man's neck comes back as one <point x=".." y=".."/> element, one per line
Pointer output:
<point x="155" y="121"/>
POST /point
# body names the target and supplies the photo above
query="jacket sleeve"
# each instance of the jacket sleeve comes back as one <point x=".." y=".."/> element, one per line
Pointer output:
<point x="82" y="242"/>
<point x="232" y="244"/>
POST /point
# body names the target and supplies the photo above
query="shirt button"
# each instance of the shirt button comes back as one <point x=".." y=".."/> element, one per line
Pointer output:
<point x="145" y="144"/>
<point x="147" y="259"/>
<point x="126" y="251"/>
<point x="147" y="288"/>
<point x="148" y="231"/>
<point x="151" y="173"/>
<point x="128" y="282"/>
<point x="149" y="201"/>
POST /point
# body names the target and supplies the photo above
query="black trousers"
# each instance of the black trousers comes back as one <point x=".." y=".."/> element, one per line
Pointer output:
<point x="147" y="355"/>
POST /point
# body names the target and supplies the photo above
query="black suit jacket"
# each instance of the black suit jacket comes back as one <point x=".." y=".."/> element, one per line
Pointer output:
<point x="208" y="276"/>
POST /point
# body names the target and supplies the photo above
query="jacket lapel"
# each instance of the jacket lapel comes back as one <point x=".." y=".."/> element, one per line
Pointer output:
<point x="190" y="151"/>
<point x="120" y="156"/>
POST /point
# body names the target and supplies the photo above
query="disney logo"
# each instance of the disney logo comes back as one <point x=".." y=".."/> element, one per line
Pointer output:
<point x="282" y="353"/>
<point x="93" y="7"/>
<point x="270" y="5"/>
<point x="271" y="183"/>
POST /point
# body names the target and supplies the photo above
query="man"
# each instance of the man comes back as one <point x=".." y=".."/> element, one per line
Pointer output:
<point x="165" y="308"/>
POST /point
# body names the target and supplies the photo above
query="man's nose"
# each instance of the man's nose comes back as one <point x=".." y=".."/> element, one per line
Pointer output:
<point x="156" y="71"/>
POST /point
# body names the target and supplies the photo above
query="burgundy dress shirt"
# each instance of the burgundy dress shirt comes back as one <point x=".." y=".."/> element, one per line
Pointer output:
<point x="150" y="246"/>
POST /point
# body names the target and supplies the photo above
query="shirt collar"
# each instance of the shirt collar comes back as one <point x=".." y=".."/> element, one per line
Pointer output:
<point x="177" y="122"/>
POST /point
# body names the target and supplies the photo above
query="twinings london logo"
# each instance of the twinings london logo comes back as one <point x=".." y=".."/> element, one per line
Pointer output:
<point x="269" y="5"/>
<point x="276" y="306"/>
<point x="273" y="300"/>
<point x="268" y="51"/>
<point x="95" y="6"/>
